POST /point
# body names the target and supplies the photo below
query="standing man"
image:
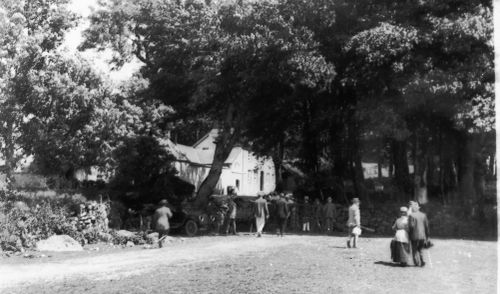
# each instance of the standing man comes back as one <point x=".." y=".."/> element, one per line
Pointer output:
<point x="160" y="221"/>
<point x="261" y="213"/>
<point x="293" y="219"/>
<point x="231" y="215"/>
<point x="283" y="213"/>
<point x="318" y="215"/>
<point x="419" y="233"/>
<point x="306" y="215"/>
<point x="354" y="223"/>
<point x="329" y="211"/>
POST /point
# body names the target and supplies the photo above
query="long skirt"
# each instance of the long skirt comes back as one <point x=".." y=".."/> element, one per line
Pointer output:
<point x="259" y="223"/>
<point x="401" y="252"/>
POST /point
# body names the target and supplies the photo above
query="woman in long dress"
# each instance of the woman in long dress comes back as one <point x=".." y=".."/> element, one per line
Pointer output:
<point x="400" y="245"/>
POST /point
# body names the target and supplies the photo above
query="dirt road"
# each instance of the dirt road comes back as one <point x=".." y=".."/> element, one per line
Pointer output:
<point x="245" y="264"/>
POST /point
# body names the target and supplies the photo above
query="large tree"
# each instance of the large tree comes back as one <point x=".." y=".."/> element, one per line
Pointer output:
<point x="225" y="62"/>
<point x="408" y="74"/>
<point x="429" y="67"/>
<point x="29" y="30"/>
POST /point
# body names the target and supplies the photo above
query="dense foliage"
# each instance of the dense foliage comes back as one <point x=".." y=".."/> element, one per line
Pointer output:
<point x="25" y="221"/>
<point x="144" y="173"/>
<point x="322" y="85"/>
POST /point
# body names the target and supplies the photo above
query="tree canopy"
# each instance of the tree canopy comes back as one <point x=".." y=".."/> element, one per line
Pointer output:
<point x="310" y="81"/>
<point x="29" y="32"/>
<point x="323" y="85"/>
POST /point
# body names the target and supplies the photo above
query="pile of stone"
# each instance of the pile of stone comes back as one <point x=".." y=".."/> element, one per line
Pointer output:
<point x="91" y="215"/>
<point x="59" y="243"/>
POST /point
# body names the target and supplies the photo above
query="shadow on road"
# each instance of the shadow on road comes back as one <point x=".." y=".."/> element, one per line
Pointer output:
<point x="388" y="263"/>
<point x="338" y="247"/>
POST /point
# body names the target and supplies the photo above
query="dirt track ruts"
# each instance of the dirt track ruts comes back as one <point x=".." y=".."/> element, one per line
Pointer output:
<point x="245" y="264"/>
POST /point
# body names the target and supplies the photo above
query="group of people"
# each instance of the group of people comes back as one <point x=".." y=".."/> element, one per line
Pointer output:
<point x="319" y="214"/>
<point x="322" y="216"/>
<point x="412" y="236"/>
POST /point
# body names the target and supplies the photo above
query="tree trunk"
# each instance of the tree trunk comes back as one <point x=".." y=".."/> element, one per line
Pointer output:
<point x="491" y="166"/>
<point x="379" y="167"/>
<point x="401" y="171"/>
<point x="310" y="152"/>
<point x="466" y="179"/>
<point x="441" y="168"/>
<point x="226" y="139"/>
<point x="420" y="167"/>
<point x="359" y="179"/>
<point x="278" y="164"/>
<point x="355" y="156"/>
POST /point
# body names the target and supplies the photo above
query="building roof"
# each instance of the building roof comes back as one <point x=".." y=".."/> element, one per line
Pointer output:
<point x="188" y="153"/>
<point x="195" y="155"/>
<point x="212" y="135"/>
<point x="173" y="149"/>
<point x="233" y="155"/>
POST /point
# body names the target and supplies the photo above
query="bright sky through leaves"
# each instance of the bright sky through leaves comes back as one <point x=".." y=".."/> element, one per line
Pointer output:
<point x="99" y="59"/>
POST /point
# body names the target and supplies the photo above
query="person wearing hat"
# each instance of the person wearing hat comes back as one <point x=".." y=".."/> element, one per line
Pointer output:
<point x="400" y="245"/>
<point x="261" y="213"/>
<point x="160" y="220"/>
<point x="283" y="213"/>
<point x="419" y="233"/>
<point x="354" y="224"/>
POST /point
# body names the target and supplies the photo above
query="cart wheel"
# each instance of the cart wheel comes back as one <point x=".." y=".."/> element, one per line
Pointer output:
<point x="191" y="228"/>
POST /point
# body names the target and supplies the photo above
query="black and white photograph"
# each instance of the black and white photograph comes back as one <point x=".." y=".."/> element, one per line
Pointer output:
<point x="248" y="146"/>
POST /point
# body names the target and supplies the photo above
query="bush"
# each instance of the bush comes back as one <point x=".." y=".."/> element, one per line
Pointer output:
<point x="24" y="221"/>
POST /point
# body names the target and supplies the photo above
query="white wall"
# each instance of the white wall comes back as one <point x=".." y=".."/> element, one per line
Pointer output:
<point x="370" y="170"/>
<point x="247" y="169"/>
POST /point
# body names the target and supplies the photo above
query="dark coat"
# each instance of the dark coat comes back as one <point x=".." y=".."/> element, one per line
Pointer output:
<point x="282" y="208"/>
<point x="329" y="210"/>
<point x="418" y="226"/>
<point x="307" y="211"/>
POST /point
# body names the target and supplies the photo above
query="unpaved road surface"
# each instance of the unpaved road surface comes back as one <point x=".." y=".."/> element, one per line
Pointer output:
<point x="245" y="264"/>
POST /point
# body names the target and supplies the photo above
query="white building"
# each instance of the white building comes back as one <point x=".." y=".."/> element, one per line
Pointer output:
<point x="245" y="171"/>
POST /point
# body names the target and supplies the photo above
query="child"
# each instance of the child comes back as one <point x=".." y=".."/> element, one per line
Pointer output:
<point x="354" y="224"/>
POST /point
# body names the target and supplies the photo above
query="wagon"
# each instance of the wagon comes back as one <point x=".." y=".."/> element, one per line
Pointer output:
<point x="189" y="220"/>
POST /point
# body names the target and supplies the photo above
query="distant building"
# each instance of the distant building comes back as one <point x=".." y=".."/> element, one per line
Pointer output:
<point x="247" y="172"/>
